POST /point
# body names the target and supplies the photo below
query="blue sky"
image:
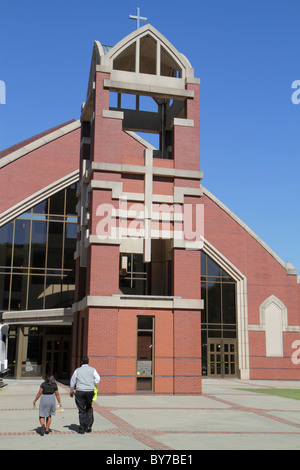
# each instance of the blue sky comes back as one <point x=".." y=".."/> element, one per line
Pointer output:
<point x="246" y="53"/>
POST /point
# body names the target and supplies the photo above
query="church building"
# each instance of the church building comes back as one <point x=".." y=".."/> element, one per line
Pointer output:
<point x="111" y="246"/>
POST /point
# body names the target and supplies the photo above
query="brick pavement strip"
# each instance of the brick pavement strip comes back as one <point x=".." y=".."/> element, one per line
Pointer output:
<point x="119" y="423"/>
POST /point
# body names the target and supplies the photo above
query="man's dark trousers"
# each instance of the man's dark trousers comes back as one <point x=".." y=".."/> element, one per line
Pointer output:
<point x="83" y="402"/>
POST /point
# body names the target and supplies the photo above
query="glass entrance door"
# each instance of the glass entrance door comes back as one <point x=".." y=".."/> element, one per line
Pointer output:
<point x="145" y="353"/>
<point x="222" y="357"/>
<point x="57" y="356"/>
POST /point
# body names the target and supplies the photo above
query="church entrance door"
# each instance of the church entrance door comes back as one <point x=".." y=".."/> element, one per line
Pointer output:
<point x="222" y="357"/>
<point x="57" y="355"/>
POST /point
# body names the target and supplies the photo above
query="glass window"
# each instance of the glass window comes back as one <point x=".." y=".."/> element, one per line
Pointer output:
<point x="55" y="245"/>
<point x="41" y="208"/>
<point x="145" y="323"/>
<point x="218" y="318"/>
<point x="212" y="268"/>
<point x="203" y="297"/>
<point x="6" y="242"/>
<point x="4" y="291"/>
<point x="21" y="242"/>
<point x="70" y="245"/>
<point x="38" y="244"/>
<point x="36" y="292"/>
<point x="42" y="241"/>
<point x="18" y="292"/>
<point x="228" y="303"/>
<point x="214" y="302"/>
<point x="53" y="292"/>
<point x="57" y="203"/>
<point x="71" y="200"/>
<point x="133" y="274"/>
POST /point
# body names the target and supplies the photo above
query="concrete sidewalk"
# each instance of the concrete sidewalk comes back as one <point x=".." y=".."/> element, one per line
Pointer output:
<point x="223" y="417"/>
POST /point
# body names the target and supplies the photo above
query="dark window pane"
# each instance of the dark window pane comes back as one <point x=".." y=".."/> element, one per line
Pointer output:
<point x="57" y="203"/>
<point x="133" y="281"/>
<point x="70" y="246"/>
<point x="145" y="323"/>
<point x="18" y="292"/>
<point x="69" y="277"/>
<point x="55" y="243"/>
<point x="138" y="264"/>
<point x="229" y="334"/>
<point x="214" y="333"/>
<point x="212" y="268"/>
<point x="41" y="208"/>
<point x="4" y="291"/>
<point x="22" y="239"/>
<point x="203" y="297"/>
<point x="228" y="303"/>
<point x="138" y="287"/>
<point x="214" y="302"/>
<point x="38" y="244"/>
<point x="71" y="200"/>
<point x="53" y="292"/>
<point x="6" y="239"/>
<point x="58" y="293"/>
<point x="125" y="285"/>
<point x="36" y="292"/>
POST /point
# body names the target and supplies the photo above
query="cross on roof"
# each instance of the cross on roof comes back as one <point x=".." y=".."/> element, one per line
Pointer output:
<point x="138" y="18"/>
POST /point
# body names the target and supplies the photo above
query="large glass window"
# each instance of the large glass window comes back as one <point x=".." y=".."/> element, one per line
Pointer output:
<point x="37" y="267"/>
<point x="218" y="318"/>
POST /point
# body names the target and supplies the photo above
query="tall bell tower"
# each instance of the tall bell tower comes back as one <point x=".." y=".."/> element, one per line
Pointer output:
<point x="138" y="308"/>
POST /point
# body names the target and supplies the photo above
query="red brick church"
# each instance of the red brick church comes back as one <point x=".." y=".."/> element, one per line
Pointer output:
<point x="111" y="247"/>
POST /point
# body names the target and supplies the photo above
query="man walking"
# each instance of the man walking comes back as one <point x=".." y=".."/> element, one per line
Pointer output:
<point x="84" y="380"/>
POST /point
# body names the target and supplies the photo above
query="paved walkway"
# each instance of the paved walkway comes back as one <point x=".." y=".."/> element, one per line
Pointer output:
<point x="223" y="417"/>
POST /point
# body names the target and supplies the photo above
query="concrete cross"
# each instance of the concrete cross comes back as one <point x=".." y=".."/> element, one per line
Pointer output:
<point x="138" y="18"/>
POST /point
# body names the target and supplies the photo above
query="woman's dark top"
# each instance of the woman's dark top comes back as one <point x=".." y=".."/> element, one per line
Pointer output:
<point x="48" y="389"/>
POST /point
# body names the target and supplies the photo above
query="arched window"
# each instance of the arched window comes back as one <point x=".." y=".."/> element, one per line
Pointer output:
<point x="273" y="319"/>
<point x="218" y="320"/>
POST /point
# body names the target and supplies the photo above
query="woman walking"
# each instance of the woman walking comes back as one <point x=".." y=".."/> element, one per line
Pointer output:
<point x="48" y="391"/>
